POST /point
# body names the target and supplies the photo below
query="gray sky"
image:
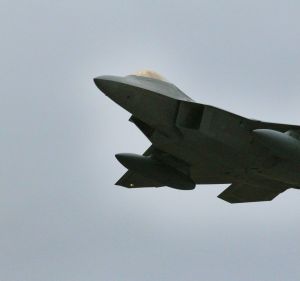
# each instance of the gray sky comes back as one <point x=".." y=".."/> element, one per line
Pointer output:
<point x="61" y="217"/>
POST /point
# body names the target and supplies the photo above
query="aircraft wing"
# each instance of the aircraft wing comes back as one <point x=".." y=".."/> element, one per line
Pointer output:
<point x="132" y="179"/>
<point x="249" y="192"/>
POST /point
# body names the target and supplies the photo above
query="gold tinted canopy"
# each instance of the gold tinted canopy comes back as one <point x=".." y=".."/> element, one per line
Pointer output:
<point x="150" y="74"/>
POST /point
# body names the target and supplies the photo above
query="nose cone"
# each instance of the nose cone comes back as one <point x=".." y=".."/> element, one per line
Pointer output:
<point x="116" y="88"/>
<point x="113" y="87"/>
<point x="104" y="83"/>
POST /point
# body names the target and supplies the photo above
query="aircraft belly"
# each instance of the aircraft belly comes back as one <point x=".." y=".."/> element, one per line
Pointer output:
<point x="210" y="162"/>
<point x="286" y="172"/>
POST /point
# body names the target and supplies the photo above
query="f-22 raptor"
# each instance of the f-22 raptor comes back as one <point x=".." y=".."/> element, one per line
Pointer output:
<point x="195" y="143"/>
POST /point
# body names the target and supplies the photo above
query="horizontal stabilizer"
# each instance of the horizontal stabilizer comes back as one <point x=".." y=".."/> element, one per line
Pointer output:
<point x="249" y="192"/>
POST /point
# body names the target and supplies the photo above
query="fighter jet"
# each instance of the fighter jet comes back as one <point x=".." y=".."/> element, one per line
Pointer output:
<point x="194" y="143"/>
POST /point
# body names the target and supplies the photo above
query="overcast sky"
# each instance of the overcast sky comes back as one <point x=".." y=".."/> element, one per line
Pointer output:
<point x="61" y="217"/>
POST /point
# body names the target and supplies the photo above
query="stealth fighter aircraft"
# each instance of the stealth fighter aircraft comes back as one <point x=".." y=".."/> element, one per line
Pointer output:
<point x="195" y="143"/>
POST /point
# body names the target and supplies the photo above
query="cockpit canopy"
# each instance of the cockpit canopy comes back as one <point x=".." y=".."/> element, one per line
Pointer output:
<point x="149" y="74"/>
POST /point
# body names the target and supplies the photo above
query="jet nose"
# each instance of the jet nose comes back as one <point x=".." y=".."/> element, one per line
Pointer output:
<point x="103" y="84"/>
<point x="117" y="89"/>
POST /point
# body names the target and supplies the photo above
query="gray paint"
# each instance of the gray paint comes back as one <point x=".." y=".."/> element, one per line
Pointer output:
<point x="60" y="216"/>
<point x="194" y="143"/>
